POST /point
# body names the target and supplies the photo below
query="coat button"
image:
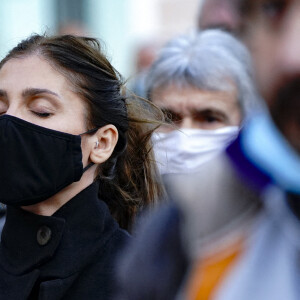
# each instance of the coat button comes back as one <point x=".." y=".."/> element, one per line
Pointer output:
<point x="43" y="235"/>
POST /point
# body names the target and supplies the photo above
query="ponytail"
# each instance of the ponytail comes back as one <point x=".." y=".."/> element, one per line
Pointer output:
<point x="136" y="183"/>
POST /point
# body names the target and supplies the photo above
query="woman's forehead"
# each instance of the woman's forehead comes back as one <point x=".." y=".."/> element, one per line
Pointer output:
<point x="179" y="98"/>
<point x="31" y="71"/>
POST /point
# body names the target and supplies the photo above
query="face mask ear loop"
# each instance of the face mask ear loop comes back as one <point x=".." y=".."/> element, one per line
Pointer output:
<point x="87" y="132"/>
<point x="87" y="167"/>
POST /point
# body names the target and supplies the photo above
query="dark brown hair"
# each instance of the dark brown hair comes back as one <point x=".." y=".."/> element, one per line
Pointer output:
<point x="129" y="178"/>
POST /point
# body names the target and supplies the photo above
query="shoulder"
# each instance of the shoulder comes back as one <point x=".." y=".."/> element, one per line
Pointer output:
<point x="156" y="252"/>
<point x="98" y="280"/>
<point x="114" y="246"/>
<point x="98" y="277"/>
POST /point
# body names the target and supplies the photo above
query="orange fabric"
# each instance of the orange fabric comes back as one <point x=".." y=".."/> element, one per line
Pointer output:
<point x="209" y="272"/>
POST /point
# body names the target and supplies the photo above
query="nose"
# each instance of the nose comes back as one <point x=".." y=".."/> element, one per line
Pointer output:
<point x="288" y="52"/>
<point x="13" y="111"/>
<point x="187" y="123"/>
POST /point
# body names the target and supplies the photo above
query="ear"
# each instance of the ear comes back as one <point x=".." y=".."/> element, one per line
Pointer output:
<point x="103" y="144"/>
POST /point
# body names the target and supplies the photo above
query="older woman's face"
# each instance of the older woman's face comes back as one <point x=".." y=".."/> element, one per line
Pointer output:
<point x="32" y="90"/>
<point x="189" y="107"/>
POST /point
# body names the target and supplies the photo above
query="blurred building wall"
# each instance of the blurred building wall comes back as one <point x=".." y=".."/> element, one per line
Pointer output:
<point x="20" y="18"/>
<point x="122" y="24"/>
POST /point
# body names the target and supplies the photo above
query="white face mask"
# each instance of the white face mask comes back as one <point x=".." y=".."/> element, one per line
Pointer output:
<point x="185" y="150"/>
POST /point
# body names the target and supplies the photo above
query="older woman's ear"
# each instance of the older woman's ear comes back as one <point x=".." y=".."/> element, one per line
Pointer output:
<point x="103" y="143"/>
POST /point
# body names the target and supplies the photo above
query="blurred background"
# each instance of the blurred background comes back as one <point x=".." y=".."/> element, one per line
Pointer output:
<point x="132" y="30"/>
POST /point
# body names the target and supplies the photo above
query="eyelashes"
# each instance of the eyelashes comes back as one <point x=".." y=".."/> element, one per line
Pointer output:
<point x="42" y="114"/>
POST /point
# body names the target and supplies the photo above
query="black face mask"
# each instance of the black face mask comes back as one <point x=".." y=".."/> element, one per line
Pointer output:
<point x="36" y="162"/>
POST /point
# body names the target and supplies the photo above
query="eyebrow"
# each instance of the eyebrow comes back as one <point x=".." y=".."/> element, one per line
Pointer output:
<point x="30" y="92"/>
<point x="211" y="110"/>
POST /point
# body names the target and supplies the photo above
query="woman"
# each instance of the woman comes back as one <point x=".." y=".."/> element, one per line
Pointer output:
<point x="203" y="81"/>
<point x="71" y="145"/>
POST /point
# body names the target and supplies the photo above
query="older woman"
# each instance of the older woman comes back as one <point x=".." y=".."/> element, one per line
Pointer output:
<point x="203" y="82"/>
<point x="75" y="165"/>
<point x="205" y="79"/>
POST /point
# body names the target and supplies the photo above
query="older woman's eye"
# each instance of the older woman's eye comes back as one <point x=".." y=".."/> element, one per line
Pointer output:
<point x="171" y="116"/>
<point x="211" y="119"/>
<point x="209" y="116"/>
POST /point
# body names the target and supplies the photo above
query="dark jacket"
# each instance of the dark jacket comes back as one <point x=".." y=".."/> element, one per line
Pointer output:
<point x="153" y="265"/>
<point x="69" y="255"/>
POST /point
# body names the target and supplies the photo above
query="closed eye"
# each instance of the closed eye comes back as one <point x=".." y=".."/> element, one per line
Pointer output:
<point x="42" y="114"/>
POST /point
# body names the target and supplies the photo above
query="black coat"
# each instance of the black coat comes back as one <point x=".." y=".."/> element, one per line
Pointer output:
<point x="69" y="255"/>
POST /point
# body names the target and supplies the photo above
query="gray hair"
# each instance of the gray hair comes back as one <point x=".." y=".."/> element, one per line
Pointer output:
<point x="209" y="60"/>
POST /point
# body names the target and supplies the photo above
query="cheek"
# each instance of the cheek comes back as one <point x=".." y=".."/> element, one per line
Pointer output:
<point x="68" y="122"/>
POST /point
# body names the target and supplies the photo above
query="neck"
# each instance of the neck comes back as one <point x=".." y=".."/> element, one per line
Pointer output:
<point x="55" y="202"/>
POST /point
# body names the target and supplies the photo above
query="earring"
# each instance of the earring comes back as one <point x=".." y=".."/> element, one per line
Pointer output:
<point x="97" y="144"/>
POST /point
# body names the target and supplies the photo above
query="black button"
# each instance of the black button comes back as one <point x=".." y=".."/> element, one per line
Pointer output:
<point x="43" y="235"/>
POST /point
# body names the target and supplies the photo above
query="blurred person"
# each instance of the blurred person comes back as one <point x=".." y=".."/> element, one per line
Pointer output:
<point x="245" y="243"/>
<point x="76" y="28"/>
<point x="263" y="264"/>
<point x="145" y="55"/>
<point x="213" y="71"/>
<point x="76" y="165"/>
<point x="275" y="31"/>
<point x="202" y="81"/>
<point x="223" y="14"/>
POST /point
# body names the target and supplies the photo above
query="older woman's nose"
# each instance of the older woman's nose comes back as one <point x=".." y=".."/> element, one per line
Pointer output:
<point x="188" y="123"/>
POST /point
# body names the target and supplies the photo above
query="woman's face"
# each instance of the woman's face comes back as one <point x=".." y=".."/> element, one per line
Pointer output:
<point x="32" y="90"/>
<point x="189" y="107"/>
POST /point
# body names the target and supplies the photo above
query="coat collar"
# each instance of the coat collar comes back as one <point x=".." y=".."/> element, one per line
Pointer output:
<point x="248" y="171"/>
<point x="77" y="229"/>
<point x="264" y="156"/>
